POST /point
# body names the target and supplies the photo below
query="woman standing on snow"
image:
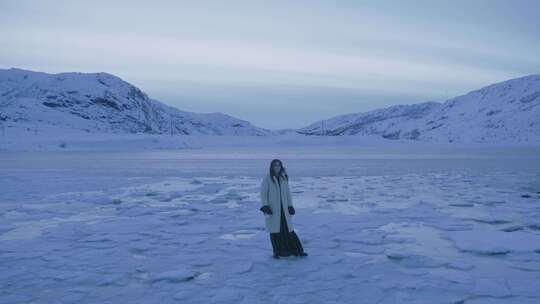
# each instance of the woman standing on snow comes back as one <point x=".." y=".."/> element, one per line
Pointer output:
<point x="275" y="198"/>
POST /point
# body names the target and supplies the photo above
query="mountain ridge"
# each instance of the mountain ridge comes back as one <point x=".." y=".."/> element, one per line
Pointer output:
<point x="502" y="112"/>
<point x="506" y="111"/>
<point x="103" y="102"/>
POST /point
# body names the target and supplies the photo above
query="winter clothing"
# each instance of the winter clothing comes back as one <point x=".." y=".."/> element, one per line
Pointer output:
<point x="266" y="209"/>
<point x="285" y="243"/>
<point x="291" y="210"/>
<point x="276" y="195"/>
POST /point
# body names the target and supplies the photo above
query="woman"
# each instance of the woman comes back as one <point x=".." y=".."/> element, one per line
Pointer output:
<point x="275" y="198"/>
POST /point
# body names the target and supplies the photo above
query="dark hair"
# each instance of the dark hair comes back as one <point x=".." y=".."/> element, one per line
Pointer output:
<point x="281" y="172"/>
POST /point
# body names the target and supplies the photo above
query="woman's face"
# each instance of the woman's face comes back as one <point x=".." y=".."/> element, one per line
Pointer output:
<point x="276" y="167"/>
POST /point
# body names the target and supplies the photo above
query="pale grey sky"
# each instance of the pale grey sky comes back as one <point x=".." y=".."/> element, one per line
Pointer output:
<point x="279" y="64"/>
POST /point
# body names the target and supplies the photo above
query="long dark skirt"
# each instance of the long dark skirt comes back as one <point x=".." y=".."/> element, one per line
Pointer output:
<point x="285" y="243"/>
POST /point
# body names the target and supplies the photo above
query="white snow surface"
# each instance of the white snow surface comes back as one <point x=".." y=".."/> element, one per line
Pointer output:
<point x="505" y="112"/>
<point x="101" y="203"/>
<point x="35" y="105"/>
<point x="89" y="103"/>
<point x="381" y="224"/>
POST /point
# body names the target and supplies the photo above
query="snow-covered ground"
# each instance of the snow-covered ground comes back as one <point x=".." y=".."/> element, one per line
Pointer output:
<point x="388" y="223"/>
<point x="67" y="106"/>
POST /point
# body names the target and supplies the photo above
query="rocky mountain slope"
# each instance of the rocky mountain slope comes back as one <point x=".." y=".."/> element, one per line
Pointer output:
<point x="505" y="112"/>
<point x="100" y="102"/>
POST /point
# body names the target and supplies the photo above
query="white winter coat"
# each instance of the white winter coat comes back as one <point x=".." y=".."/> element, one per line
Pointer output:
<point x="270" y="195"/>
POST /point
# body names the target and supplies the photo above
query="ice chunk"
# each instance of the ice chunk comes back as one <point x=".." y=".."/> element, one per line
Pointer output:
<point x="176" y="276"/>
<point x="494" y="242"/>
<point x="413" y="260"/>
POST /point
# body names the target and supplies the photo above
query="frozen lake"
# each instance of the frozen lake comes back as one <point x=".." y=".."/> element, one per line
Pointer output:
<point x="381" y="225"/>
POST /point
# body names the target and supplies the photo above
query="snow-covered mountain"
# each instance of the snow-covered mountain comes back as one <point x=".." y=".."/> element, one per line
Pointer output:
<point x="100" y="102"/>
<point x="505" y="112"/>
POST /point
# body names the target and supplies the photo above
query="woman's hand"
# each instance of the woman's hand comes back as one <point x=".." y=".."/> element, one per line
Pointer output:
<point x="291" y="210"/>
<point x="266" y="209"/>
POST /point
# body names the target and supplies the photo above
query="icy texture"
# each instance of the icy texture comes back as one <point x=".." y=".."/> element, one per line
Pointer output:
<point x="506" y="112"/>
<point x="184" y="227"/>
<point x="99" y="103"/>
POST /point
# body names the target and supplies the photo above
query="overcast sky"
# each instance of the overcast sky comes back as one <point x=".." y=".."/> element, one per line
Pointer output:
<point x="279" y="64"/>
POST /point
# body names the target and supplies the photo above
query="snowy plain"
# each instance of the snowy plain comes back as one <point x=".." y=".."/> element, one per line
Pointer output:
<point x="162" y="219"/>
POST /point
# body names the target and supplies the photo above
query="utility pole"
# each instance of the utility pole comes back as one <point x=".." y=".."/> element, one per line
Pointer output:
<point x="4" y="140"/>
<point x="323" y="128"/>
<point x="171" y="125"/>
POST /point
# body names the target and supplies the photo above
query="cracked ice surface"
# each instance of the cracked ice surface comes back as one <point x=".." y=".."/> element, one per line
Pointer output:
<point x="143" y="230"/>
